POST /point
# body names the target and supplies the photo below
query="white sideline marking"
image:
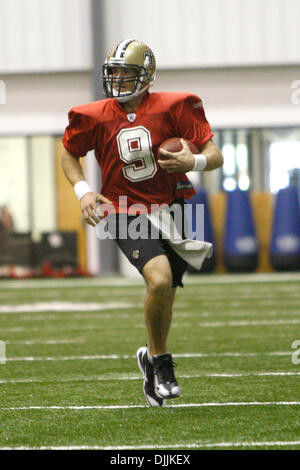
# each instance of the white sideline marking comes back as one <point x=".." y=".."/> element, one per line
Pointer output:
<point x="123" y="282"/>
<point x="125" y="378"/>
<point x="115" y="356"/>
<point x="126" y="407"/>
<point x="63" y="307"/>
<point x="180" y="445"/>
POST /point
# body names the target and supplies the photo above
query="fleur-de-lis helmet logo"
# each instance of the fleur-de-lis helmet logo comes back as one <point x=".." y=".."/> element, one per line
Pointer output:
<point x="149" y="59"/>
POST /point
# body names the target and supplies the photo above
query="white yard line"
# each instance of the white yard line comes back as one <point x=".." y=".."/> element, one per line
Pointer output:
<point x="67" y="358"/>
<point x="181" y="445"/>
<point x="59" y="306"/>
<point x="249" y="323"/>
<point x="179" y="325"/>
<point x="34" y="317"/>
<point x="21" y="329"/>
<point x="124" y="282"/>
<point x="53" y="342"/>
<point x="68" y="283"/>
<point x="59" y="314"/>
<point x="116" y="356"/>
<point x="127" y="407"/>
<point x="119" y="377"/>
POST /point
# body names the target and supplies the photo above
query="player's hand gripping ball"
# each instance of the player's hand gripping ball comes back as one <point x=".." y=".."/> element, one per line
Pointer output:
<point x="181" y="159"/>
<point x="174" y="145"/>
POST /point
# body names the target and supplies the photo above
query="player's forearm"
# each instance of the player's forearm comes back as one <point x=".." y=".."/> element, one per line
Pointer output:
<point x="71" y="167"/>
<point x="213" y="156"/>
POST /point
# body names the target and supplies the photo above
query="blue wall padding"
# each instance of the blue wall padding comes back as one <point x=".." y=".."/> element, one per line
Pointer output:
<point x="286" y="223"/>
<point x="239" y="232"/>
<point x="201" y="198"/>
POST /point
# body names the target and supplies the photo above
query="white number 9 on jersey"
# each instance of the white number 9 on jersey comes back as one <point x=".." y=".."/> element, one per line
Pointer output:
<point x="135" y="149"/>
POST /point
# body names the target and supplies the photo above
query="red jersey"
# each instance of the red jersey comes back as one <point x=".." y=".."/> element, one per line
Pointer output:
<point x="126" y="144"/>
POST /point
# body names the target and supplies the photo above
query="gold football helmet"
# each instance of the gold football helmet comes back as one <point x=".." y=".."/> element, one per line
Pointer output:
<point x="128" y="70"/>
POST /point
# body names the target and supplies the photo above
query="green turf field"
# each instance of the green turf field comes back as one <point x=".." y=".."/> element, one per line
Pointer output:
<point x="70" y="379"/>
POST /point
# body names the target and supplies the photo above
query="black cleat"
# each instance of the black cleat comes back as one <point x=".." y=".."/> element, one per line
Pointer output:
<point x="146" y="369"/>
<point x="165" y="383"/>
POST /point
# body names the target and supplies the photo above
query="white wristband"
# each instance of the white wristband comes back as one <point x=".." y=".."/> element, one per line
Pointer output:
<point x="200" y="162"/>
<point x="81" y="188"/>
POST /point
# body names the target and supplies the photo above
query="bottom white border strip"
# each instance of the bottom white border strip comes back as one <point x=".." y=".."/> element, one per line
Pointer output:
<point x="181" y="445"/>
<point x="125" y="407"/>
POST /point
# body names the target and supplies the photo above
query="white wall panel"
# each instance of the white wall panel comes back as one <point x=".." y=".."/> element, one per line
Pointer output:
<point x="239" y="97"/>
<point x="209" y="33"/>
<point x="14" y="187"/>
<point x="54" y="35"/>
<point x="39" y="103"/>
<point x="45" y="35"/>
<point x="43" y="189"/>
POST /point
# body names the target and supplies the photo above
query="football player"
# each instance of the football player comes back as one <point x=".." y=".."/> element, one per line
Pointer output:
<point x="125" y="131"/>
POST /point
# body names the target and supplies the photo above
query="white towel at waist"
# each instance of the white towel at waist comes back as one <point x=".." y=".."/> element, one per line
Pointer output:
<point x="193" y="252"/>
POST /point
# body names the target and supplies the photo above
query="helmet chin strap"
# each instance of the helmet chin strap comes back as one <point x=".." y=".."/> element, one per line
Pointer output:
<point x="125" y="99"/>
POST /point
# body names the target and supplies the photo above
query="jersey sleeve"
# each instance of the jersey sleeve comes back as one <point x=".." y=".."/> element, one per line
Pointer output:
<point x="190" y="121"/>
<point x="79" y="136"/>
